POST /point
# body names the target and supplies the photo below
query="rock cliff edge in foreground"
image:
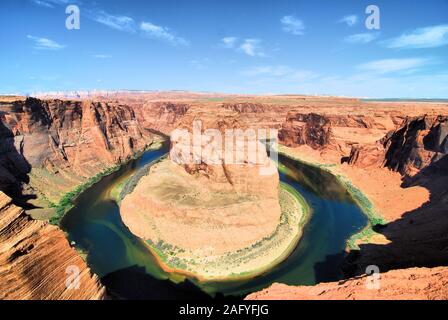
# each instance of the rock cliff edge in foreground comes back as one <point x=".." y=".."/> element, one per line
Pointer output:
<point x="37" y="262"/>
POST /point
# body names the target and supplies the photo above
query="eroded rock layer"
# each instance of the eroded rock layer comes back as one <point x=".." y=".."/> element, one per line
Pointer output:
<point x="37" y="262"/>
<point x="407" y="284"/>
<point x="219" y="204"/>
<point x="52" y="146"/>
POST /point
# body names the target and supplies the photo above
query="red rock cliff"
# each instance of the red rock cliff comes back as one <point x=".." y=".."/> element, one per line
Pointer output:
<point x="65" y="142"/>
<point x="36" y="259"/>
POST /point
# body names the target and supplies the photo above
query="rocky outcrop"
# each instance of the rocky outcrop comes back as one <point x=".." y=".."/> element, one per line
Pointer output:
<point x="14" y="168"/>
<point x="310" y="129"/>
<point x="406" y="284"/>
<point x="416" y="239"/>
<point x="219" y="191"/>
<point x="37" y="262"/>
<point x="160" y="116"/>
<point x="245" y="107"/>
<point x="365" y="156"/>
<point x="334" y="132"/>
<point x="416" y="144"/>
<point x="225" y="151"/>
<point x="65" y="142"/>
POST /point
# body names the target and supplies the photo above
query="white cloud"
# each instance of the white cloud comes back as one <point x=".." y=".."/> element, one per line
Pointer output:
<point x="162" y="33"/>
<point x="229" y="42"/>
<point x="252" y="48"/>
<point x="123" y="23"/>
<point x="45" y="43"/>
<point x="267" y="70"/>
<point x="350" y="20"/>
<point x="291" y="24"/>
<point x="429" y="37"/>
<point x="50" y="3"/>
<point x="362" y="37"/>
<point x="280" y="72"/>
<point x="117" y="22"/>
<point x="102" y="56"/>
<point x="393" y="65"/>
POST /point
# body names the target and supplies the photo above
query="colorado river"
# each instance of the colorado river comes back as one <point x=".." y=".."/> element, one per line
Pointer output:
<point x="128" y="269"/>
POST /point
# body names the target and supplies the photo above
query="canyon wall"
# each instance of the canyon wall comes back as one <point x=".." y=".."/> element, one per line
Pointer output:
<point x="334" y="132"/>
<point x="402" y="144"/>
<point x="37" y="262"/>
<point x="419" y="142"/>
<point x="160" y="116"/>
<point x="409" y="284"/>
<point x="230" y="156"/>
<point x="417" y="151"/>
<point x="50" y="147"/>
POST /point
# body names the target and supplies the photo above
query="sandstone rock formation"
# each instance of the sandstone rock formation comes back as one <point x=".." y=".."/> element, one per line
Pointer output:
<point x="416" y="144"/>
<point x="333" y="132"/>
<point x="310" y="129"/>
<point x="37" y="262"/>
<point x="160" y="116"/>
<point x="218" y="204"/>
<point x="418" y="238"/>
<point x="406" y="284"/>
<point x="14" y="168"/>
<point x="416" y="149"/>
<point x="47" y="147"/>
<point x="64" y="142"/>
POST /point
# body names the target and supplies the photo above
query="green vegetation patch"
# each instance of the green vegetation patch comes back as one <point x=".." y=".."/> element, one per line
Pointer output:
<point x="66" y="202"/>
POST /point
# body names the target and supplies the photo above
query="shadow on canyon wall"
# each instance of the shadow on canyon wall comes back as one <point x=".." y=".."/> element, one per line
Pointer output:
<point x="419" y="238"/>
<point x="135" y="284"/>
<point x="323" y="274"/>
<point x="14" y="168"/>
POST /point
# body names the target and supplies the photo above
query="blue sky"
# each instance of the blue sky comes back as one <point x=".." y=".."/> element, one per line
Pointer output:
<point x="244" y="46"/>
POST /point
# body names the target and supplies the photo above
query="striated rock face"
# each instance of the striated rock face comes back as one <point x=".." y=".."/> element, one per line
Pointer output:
<point x="65" y="142"/>
<point x="14" y="168"/>
<point x="245" y="107"/>
<point x="416" y="144"/>
<point x="49" y="146"/>
<point x="160" y="116"/>
<point x="334" y="132"/>
<point x="310" y="129"/>
<point x="406" y="284"/>
<point x="365" y="156"/>
<point x="36" y="260"/>
<point x="230" y="156"/>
